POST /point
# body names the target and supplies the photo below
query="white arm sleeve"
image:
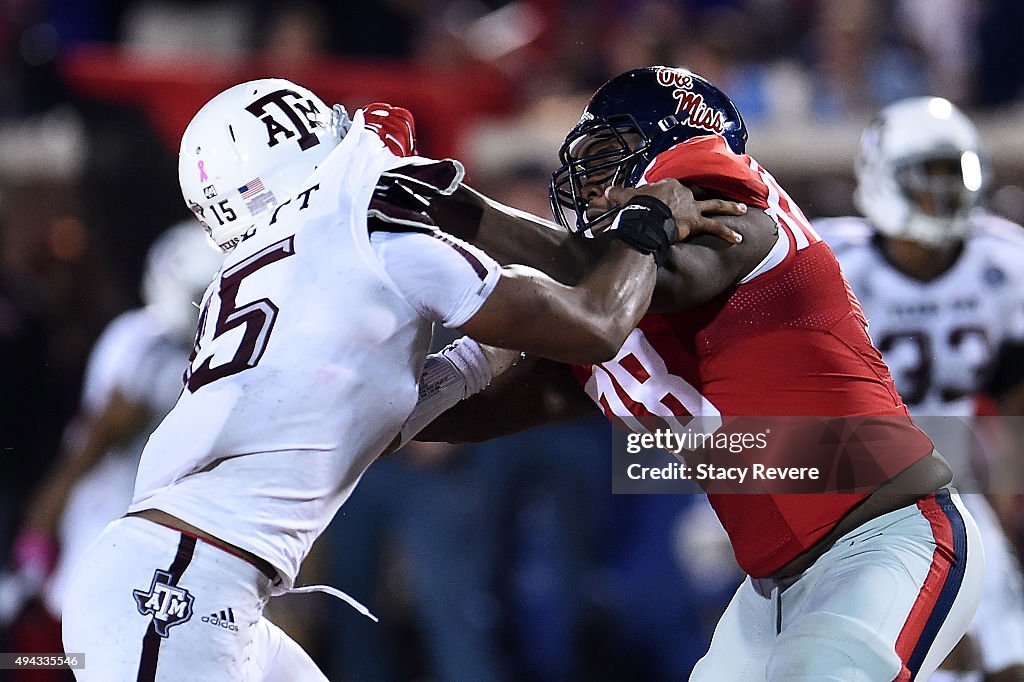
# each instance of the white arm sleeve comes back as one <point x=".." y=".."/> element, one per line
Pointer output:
<point x="444" y="278"/>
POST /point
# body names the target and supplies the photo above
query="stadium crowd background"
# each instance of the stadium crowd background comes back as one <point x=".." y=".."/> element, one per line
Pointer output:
<point x="508" y="560"/>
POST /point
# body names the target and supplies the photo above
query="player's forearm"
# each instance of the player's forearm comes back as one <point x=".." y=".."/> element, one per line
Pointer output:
<point x="475" y="420"/>
<point x="616" y="294"/>
<point x="533" y="393"/>
<point x="456" y="373"/>
<point x="704" y="266"/>
<point x="577" y="325"/>
<point x="512" y="236"/>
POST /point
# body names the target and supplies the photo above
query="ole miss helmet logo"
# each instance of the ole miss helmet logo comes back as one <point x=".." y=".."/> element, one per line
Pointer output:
<point x="695" y="110"/>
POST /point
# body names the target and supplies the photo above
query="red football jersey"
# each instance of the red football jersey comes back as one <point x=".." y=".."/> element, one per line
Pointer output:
<point x="790" y="340"/>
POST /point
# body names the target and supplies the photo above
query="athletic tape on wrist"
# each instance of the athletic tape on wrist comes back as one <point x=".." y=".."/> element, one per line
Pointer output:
<point x="469" y="358"/>
<point x="457" y="372"/>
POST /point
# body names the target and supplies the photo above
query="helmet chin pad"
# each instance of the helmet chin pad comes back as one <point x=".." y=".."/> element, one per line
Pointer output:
<point x="934" y="232"/>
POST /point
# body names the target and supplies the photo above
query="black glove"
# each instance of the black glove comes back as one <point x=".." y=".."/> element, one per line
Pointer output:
<point x="646" y="224"/>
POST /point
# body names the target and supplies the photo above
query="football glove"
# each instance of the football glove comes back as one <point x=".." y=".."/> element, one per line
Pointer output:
<point x="394" y="125"/>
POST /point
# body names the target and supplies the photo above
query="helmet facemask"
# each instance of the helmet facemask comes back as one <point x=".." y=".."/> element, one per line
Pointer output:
<point x="942" y="190"/>
<point x="623" y="146"/>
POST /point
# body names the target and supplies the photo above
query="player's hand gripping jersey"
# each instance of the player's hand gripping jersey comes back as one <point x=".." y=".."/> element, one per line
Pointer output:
<point x="789" y="340"/>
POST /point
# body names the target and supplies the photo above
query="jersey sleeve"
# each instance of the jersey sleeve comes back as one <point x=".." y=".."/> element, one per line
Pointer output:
<point x="1014" y="298"/>
<point x="103" y="368"/>
<point x="1003" y="242"/>
<point x="708" y="162"/>
<point x="442" y="277"/>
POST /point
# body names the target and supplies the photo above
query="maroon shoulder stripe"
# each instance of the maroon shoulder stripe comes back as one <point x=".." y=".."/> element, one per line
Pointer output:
<point x="479" y="268"/>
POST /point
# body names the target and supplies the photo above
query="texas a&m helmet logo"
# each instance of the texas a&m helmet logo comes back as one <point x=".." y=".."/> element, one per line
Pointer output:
<point x="169" y="604"/>
<point x="300" y="117"/>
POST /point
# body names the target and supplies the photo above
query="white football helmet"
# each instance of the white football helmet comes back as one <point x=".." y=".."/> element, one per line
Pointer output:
<point x="180" y="265"/>
<point x="249" y="149"/>
<point x="920" y="171"/>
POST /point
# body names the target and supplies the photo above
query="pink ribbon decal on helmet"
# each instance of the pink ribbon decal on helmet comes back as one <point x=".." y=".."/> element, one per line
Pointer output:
<point x="203" y="177"/>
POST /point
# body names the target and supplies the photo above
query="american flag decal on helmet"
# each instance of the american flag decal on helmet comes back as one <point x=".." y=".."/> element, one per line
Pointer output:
<point x="251" y="188"/>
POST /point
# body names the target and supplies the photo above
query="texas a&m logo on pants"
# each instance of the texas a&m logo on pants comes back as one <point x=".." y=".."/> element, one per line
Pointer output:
<point x="169" y="604"/>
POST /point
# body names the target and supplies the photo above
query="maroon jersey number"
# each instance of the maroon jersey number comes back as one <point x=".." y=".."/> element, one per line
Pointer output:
<point x="257" y="317"/>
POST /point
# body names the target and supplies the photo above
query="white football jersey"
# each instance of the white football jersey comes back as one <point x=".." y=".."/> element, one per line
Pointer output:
<point x="310" y="346"/>
<point x="939" y="338"/>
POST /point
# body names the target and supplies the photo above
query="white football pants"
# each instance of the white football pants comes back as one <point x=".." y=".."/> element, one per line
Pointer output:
<point x="149" y="603"/>
<point x="887" y="601"/>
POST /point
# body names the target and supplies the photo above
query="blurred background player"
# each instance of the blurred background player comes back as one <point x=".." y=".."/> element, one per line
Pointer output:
<point x="941" y="281"/>
<point x="132" y="380"/>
